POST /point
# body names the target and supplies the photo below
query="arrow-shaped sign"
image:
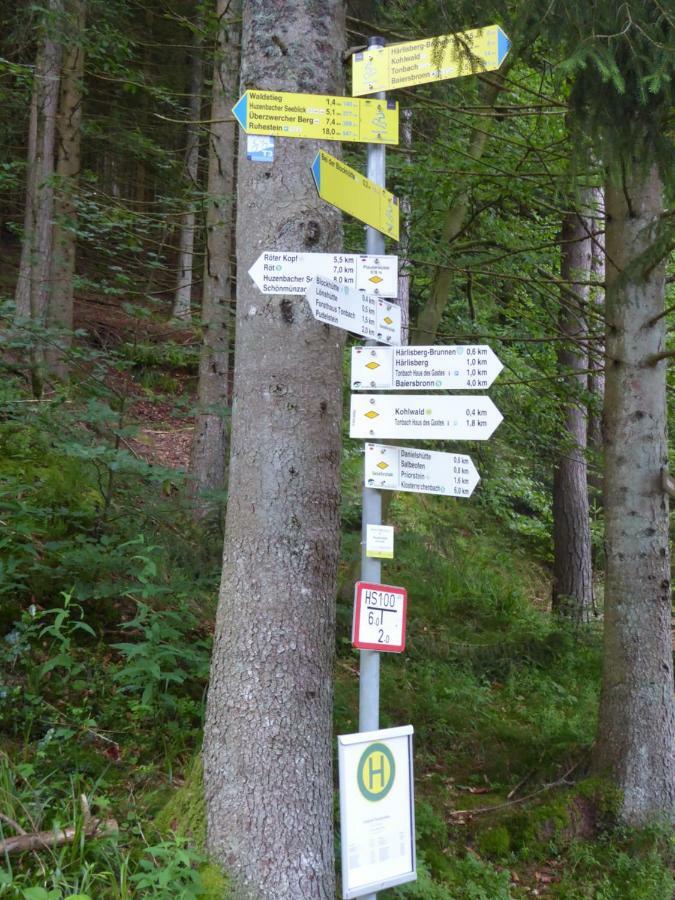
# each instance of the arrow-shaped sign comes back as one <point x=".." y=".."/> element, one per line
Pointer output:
<point x="318" y="116"/>
<point x="357" y="195"/>
<point x="278" y="272"/>
<point x="423" y="368"/>
<point x="392" y="468"/>
<point x="431" y="59"/>
<point x="371" y="317"/>
<point x="462" y="417"/>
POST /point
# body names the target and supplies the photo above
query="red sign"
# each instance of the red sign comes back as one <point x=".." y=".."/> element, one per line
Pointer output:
<point x="379" y="617"/>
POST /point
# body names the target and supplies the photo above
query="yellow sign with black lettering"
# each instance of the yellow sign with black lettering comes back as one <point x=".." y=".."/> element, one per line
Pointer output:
<point x="357" y="195"/>
<point x="318" y="116"/>
<point x="431" y="59"/>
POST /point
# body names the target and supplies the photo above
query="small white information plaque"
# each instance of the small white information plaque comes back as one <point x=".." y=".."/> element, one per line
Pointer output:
<point x="380" y="541"/>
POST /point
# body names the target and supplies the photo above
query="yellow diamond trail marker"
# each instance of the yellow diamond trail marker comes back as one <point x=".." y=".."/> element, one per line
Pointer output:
<point x="433" y="368"/>
<point x="371" y="317"/>
<point x="282" y="272"/>
<point x="355" y="194"/>
<point x="457" y="417"/>
<point x="419" y="471"/>
<point x="431" y="59"/>
<point x="318" y="116"/>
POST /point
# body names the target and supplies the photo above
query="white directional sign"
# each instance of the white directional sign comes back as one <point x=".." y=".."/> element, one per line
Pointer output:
<point x="392" y="468"/>
<point x="279" y="272"/>
<point x="423" y="368"/>
<point x="379" y="617"/>
<point x="462" y="417"/>
<point x="354" y="311"/>
<point x="377" y="811"/>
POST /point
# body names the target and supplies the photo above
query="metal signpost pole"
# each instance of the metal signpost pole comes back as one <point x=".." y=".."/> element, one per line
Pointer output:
<point x="369" y="678"/>
<point x="369" y="668"/>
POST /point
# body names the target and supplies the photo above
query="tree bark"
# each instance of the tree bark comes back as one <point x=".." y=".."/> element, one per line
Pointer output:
<point x="268" y="737"/>
<point x="636" y="732"/>
<point x="22" y="293"/>
<point x="596" y="364"/>
<point x="60" y="308"/>
<point x="209" y="444"/>
<point x="572" y="570"/>
<point x="33" y="284"/>
<point x="182" y="304"/>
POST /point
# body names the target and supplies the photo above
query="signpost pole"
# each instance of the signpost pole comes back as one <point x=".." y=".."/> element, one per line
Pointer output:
<point x="369" y="668"/>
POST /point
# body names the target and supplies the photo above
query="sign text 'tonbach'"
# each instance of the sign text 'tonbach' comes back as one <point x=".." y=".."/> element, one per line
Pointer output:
<point x="420" y="368"/>
<point x="341" y="306"/>
<point x="431" y="59"/>
<point x="456" y="417"/>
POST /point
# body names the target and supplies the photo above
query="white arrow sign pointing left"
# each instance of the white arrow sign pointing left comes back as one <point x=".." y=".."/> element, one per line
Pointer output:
<point x="282" y="272"/>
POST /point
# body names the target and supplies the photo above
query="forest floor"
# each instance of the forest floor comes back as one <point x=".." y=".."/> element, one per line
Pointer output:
<point x="107" y="599"/>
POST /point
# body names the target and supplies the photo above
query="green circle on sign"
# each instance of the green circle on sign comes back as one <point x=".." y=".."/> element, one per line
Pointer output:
<point x="376" y="772"/>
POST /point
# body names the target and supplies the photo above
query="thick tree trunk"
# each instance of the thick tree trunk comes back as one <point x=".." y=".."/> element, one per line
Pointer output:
<point x="209" y="444"/>
<point x="268" y="738"/>
<point x="572" y="571"/>
<point x="429" y="317"/>
<point x="182" y="305"/>
<point x="636" y="733"/>
<point x="60" y="308"/>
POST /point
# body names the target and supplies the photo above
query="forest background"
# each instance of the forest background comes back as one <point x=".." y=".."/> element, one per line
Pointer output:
<point x="118" y="280"/>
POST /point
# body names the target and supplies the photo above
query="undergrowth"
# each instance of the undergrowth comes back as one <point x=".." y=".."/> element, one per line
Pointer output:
<point x="107" y="597"/>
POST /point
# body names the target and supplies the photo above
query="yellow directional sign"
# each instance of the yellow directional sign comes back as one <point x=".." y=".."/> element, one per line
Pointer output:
<point x="318" y="116"/>
<point x="431" y="59"/>
<point x="357" y="195"/>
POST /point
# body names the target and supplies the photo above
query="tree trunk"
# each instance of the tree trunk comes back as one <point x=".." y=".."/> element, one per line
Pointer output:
<point x="268" y="738"/>
<point x="60" y="309"/>
<point x="636" y="733"/>
<point x="182" y="305"/>
<point x="33" y="284"/>
<point x="209" y="444"/>
<point x="22" y="293"/>
<point x="429" y="317"/>
<point x="572" y="571"/>
<point x="596" y="363"/>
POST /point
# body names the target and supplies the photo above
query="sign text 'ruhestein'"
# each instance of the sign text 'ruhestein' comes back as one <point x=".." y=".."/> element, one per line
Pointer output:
<point x="318" y="116"/>
<point x="341" y="306"/>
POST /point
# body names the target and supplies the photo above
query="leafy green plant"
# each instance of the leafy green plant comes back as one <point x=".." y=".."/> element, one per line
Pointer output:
<point x="161" y="657"/>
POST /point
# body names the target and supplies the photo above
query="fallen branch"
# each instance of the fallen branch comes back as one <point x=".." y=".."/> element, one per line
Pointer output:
<point x="46" y="840"/>
<point x="479" y="810"/>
